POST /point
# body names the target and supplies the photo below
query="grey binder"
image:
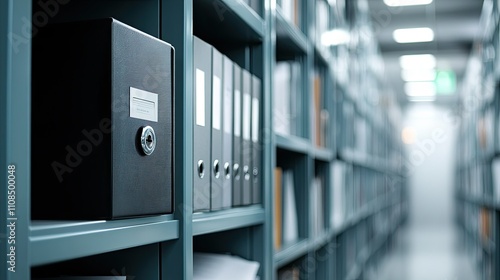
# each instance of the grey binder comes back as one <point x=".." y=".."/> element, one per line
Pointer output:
<point x="246" y="148"/>
<point x="216" y="135"/>
<point x="227" y="134"/>
<point x="256" y="148"/>
<point x="237" y="170"/>
<point x="202" y="123"/>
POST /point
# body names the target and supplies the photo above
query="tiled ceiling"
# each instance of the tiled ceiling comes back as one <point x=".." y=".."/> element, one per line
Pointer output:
<point x="455" y="24"/>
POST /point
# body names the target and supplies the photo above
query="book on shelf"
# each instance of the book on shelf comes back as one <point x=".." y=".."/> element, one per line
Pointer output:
<point x="290" y="10"/>
<point x="322" y="16"/>
<point x="495" y="170"/>
<point x="318" y="194"/>
<point x="337" y="215"/>
<point x="320" y="117"/>
<point x="208" y="266"/>
<point x="290" y="228"/>
<point x="286" y="97"/>
<point x="278" y="216"/>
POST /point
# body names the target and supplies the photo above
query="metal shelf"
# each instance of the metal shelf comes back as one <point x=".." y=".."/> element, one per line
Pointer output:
<point x="367" y="161"/>
<point x="289" y="38"/>
<point x="53" y="241"/>
<point x="223" y="220"/>
<point x="322" y="154"/>
<point x="293" y="143"/>
<point x="291" y="253"/>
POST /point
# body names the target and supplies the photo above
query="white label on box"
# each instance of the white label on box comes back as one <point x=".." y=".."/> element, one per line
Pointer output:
<point x="216" y="103"/>
<point x="228" y="113"/>
<point x="246" y="116"/>
<point x="143" y="105"/>
<point x="200" y="97"/>
<point x="255" y="120"/>
<point x="237" y="113"/>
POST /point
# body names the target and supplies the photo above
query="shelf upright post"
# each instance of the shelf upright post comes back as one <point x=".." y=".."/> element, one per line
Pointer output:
<point x="15" y="76"/>
<point x="176" y="27"/>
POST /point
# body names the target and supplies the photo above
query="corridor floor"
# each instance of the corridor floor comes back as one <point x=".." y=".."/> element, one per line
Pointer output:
<point x="433" y="253"/>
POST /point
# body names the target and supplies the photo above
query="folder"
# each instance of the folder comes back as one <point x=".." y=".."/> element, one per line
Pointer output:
<point x="202" y="123"/>
<point x="216" y="132"/>
<point x="237" y="169"/>
<point x="227" y="134"/>
<point x="99" y="131"/>
<point x="256" y="148"/>
<point x="246" y="143"/>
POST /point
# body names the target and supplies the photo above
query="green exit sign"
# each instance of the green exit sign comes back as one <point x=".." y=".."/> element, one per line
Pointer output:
<point x="446" y="82"/>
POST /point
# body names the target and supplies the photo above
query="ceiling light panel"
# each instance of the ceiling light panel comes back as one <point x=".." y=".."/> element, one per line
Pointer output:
<point x="401" y="3"/>
<point x="417" y="62"/>
<point x="413" y="35"/>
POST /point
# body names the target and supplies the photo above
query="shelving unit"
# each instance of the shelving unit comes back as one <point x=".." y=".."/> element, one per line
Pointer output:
<point x="256" y="36"/>
<point x="375" y="171"/>
<point x="477" y="180"/>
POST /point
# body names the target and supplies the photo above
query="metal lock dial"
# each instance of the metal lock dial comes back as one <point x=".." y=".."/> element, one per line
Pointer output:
<point x="148" y="140"/>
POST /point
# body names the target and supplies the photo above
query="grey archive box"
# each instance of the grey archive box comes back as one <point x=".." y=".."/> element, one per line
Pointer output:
<point x="102" y="122"/>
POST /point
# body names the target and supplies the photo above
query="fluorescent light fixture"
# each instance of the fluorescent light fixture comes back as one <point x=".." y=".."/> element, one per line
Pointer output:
<point x="417" y="61"/>
<point x="413" y="35"/>
<point x="419" y="89"/>
<point x="335" y="37"/>
<point x="400" y="3"/>
<point x="418" y="75"/>
<point x="422" y="99"/>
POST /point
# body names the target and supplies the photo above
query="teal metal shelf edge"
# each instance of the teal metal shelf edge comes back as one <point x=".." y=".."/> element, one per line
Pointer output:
<point x="323" y="55"/>
<point x="290" y="37"/>
<point x="366" y="212"/>
<point x="290" y="253"/>
<point x="486" y="202"/>
<point x="479" y="159"/>
<point x="204" y="223"/>
<point x="294" y="251"/>
<point x="293" y="143"/>
<point x="487" y="246"/>
<point x="53" y="241"/>
<point x="248" y="15"/>
<point x="376" y="164"/>
<point x="322" y="154"/>
<point x="370" y="250"/>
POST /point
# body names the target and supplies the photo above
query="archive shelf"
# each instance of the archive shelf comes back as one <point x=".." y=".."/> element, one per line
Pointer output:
<point x="477" y="184"/>
<point x="210" y="222"/>
<point x="162" y="246"/>
<point x="69" y="240"/>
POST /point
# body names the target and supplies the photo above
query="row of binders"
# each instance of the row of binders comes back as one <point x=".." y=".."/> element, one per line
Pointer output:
<point x="227" y="146"/>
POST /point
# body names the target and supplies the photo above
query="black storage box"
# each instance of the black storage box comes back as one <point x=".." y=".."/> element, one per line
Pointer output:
<point x="102" y="122"/>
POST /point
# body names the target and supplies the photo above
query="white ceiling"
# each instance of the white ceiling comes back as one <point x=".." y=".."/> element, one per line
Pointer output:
<point x="455" y="24"/>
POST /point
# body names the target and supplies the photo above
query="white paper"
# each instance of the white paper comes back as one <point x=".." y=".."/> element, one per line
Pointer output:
<point x="216" y="103"/>
<point x="223" y="267"/>
<point x="143" y="105"/>
<point x="200" y="97"/>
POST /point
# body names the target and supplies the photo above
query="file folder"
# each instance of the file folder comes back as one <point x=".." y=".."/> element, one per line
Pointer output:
<point x="256" y="148"/>
<point x="246" y="148"/>
<point x="202" y="123"/>
<point x="237" y="169"/>
<point x="227" y="135"/>
<point x="216" y="138"/>
<point x="101" y="130"/>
